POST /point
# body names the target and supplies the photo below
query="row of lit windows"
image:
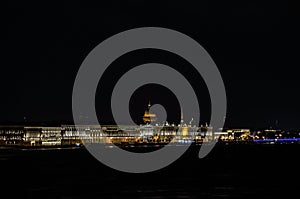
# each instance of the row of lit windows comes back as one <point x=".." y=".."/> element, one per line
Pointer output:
<point x="84" y="134"/>
<point x="11" y="138"/>
<point x="11" y="132"/>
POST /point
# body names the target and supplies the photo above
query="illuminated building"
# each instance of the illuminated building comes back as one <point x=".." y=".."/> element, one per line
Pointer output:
<point x="221" y="135"/>
<point x="149" y="117"/>
<point x="184" y="130"/>
<point x="168" y="131"/>
<point x="51" y="136"/>
<point x="32" y="135"/>
<point x="206" y="132"/>
<point x="11" y="135"/>
<point x="147" y="132"/>
<point x="238" y="134"/>
<point x="72" y="134"/>
<point x="80" y="134"/>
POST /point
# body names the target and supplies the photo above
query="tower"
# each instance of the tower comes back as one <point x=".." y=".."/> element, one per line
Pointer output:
<point x="181" y="118"/>
<point x="149" y="117"/>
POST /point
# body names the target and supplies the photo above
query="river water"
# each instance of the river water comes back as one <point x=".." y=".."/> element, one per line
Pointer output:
<point x="229" y="171"/>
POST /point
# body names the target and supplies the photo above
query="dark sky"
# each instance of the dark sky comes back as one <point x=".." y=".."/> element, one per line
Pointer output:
<point x="255" y="45"/>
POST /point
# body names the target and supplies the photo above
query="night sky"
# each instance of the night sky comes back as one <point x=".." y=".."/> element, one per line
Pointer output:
<point x="255" y="45"/>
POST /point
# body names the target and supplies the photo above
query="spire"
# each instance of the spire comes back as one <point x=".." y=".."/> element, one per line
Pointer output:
<point x="181" y="114"/>
<point x="191" y="121"/>
<point x="181" y="119"/>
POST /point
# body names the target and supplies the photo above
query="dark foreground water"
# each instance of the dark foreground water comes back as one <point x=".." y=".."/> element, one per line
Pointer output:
<point x="229" y="171"/>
